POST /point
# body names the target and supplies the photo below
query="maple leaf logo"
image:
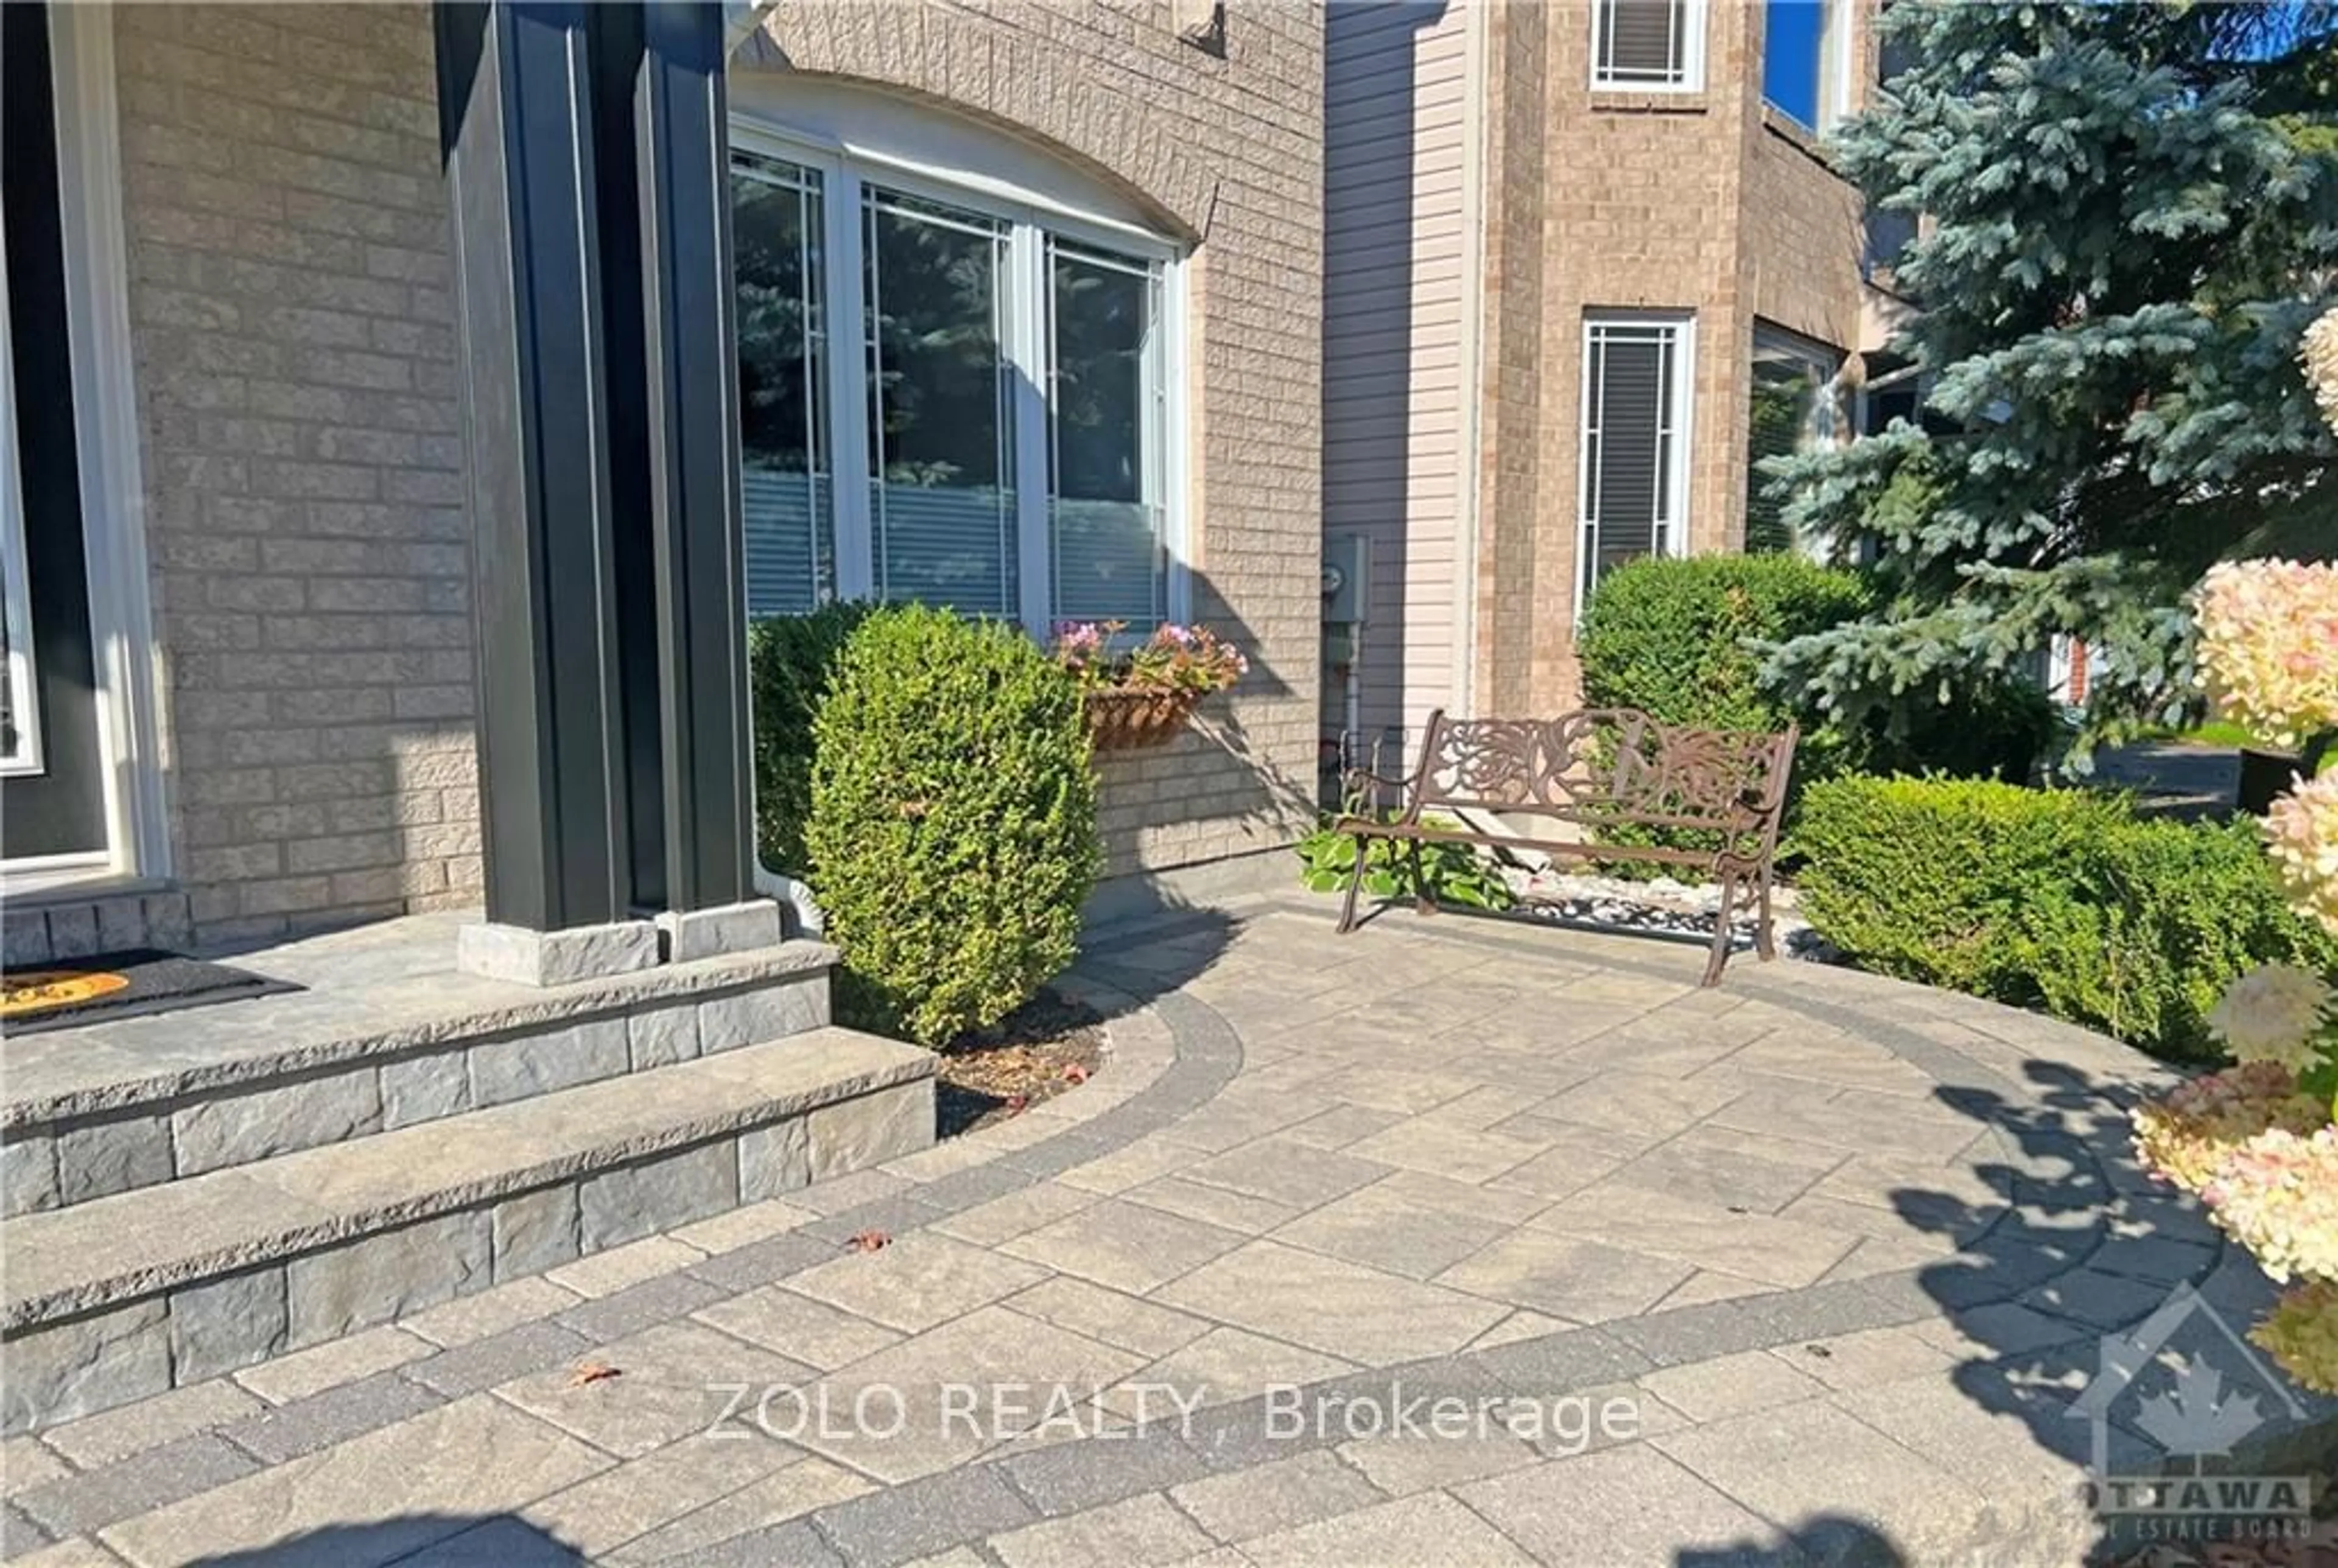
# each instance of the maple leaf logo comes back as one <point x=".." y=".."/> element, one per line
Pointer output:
<point x="2196" y="1416"/>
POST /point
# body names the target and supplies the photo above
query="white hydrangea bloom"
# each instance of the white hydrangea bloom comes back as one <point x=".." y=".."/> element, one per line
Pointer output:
<point x="2272" y="1014"/>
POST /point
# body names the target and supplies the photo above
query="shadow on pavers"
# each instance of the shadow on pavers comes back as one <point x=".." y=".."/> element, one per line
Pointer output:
<point x="1152" y="950"/>
<point x="1822" y="1541"/>
<point x="2102" y="1310"/>
<point x="412" y="1540"/>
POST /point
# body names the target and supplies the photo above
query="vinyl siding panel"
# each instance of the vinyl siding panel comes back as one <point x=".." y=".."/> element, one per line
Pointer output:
<point x="1397" y="129"/>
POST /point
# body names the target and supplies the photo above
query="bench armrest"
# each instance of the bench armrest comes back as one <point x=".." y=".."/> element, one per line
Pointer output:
<point x="1362" y="787"/>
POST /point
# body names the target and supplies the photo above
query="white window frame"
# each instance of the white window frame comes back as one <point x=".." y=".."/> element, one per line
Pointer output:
<point x="16" y="603"/>
<point x="858" y="155"/>
<point x="1672" y="535"/>
<point x="1688" y="71"/>
<point x="113" y="485"/>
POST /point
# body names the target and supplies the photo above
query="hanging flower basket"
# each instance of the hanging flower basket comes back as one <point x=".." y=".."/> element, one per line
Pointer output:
<point x="1136" y="698"/>
<point x="1137" y="721"/>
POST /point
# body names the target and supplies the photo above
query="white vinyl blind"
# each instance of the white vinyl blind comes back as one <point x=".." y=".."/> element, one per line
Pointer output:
<point x="788" y="506"/>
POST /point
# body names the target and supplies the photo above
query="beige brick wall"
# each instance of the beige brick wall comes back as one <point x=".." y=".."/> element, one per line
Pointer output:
<point x="292" y="338"/>
<point x="1229" y="149"/>
<point x="1702" y="202"/>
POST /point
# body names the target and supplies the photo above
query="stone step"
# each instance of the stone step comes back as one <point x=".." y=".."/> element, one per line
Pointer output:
<point x="387" y="1036"/>
<point x="126" y="1297"/>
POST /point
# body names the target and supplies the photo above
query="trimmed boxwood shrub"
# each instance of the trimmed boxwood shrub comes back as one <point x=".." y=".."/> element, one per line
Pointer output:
<point x="953" y="832"/>
<point x="1668" y="635"/>
<point x="789" y="658"/>
<point x="2063" y="900"/>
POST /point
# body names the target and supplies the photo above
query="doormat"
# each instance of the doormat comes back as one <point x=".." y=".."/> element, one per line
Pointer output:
<point x="74" y="991"/>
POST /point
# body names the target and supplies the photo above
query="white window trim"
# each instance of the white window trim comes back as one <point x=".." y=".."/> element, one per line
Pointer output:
<point x="16" y="603"/>
<point x="1693" y="20"/>
<point x="113" y="493"/>
<point x="842" y="161"/>
<point x="1684" y="404"/>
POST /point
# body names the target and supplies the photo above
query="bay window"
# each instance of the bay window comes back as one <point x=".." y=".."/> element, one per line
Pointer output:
<point x="949" y="394"/>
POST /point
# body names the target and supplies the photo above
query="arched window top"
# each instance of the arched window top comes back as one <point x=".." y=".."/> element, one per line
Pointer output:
<point x="903" y="132"/>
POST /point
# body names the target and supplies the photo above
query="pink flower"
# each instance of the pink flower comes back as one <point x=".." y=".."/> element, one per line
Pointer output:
<point x="2302" y="832"/>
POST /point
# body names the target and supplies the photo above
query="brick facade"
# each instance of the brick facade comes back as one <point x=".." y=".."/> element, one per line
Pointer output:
<point x="1227" y="146"/>
<point x="294" y="353"/>
<point x="1706" y="202"/>
<point x="294" y="344"/>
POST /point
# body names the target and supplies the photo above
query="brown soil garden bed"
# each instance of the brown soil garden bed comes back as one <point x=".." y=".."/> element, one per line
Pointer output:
<point x="1046" y="1046"/>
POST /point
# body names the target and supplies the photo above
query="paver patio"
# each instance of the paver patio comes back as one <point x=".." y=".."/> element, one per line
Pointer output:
<point x="1841" y="1251"/>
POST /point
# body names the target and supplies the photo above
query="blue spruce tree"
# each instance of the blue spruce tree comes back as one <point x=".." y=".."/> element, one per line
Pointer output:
<point x="2133" y="216"/>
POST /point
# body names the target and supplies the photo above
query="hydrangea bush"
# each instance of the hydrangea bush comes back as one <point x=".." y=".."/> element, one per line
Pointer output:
<point x="2257" y="1142"/>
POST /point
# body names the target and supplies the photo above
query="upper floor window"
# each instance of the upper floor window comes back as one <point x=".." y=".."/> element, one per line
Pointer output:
<point x="1806" y="60"/>
<point x="958" y="393"/>
<point x="1652" y="45"/>
<point x="1633" y="470"/>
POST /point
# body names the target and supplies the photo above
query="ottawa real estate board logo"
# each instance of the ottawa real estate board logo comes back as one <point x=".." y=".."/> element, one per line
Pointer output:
<point x="2173" y="1399"/>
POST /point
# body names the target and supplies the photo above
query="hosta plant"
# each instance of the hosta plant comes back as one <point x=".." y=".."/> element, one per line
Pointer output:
<point x="1450" y="873"/>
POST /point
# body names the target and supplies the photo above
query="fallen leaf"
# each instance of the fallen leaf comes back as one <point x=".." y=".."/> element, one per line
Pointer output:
<point x="593" y="1372"/>
<point x="869" y="1242"/>
<point x="1075" y="1073"/>
<point x="1015" y="1102"/>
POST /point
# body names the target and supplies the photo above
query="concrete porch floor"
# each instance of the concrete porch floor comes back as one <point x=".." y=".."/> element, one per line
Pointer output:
<point x="371" y="989"/>
<point x="1843" y="1250"/>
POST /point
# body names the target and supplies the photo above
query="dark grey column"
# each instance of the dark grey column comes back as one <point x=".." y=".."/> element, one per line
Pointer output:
<point x="516" y="128"/>
<point x="680" y="169"/>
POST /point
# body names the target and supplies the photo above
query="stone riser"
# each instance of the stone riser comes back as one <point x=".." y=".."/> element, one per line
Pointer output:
<point x="79" y="1159"/>
<point x="486" y="1233"/>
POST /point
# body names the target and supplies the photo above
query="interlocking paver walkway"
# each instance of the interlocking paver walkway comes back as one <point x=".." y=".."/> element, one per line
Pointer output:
<point x="1802" y="1269"/>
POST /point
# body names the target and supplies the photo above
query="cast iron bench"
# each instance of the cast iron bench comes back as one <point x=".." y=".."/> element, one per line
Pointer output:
<point x="1597" y="768"/>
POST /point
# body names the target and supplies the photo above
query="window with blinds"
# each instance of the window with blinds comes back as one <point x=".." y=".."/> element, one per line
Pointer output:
<point x="1647" y="44"/>
<point x="994" y="441"/>
<point x="1633" y="481"/>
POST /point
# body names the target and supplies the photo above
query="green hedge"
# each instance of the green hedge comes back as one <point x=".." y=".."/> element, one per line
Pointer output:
<point x="1668" y="635"/>
<point x="2062" y="900"/>
<point x="789" y="659"/>
<point x="953" y="829"/>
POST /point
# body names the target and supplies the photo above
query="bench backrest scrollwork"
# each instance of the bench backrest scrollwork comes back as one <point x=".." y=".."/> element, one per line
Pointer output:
<point x="1604" y="765"/>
